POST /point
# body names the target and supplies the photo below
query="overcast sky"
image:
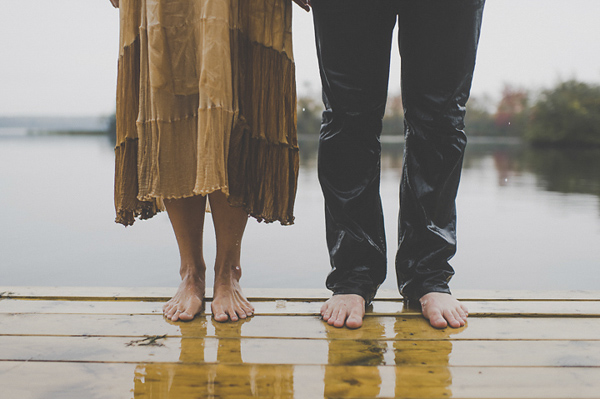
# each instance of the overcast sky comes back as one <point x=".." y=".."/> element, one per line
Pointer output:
<point x="59" y="57"/>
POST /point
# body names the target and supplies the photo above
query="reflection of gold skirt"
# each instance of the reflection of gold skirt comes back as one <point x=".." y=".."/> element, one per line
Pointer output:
<point x="206" y="101"/>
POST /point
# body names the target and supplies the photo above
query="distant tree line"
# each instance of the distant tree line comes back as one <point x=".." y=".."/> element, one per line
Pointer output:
<point x="568" y="114"/>
<point x="565" y="115"/>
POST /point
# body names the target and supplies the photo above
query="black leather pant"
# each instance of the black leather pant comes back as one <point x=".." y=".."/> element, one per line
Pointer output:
<point x="438" y="43"/>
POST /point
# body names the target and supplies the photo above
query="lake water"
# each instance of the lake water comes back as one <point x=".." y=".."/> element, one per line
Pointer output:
<point x="528" y="219"/>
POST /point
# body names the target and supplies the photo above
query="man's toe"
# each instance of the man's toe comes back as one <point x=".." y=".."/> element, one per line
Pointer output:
<point x="339" y="318"/>
<point x="354" y="322"/>
<point x="326" y="313"/>
<point x="452" y="319"/>
<point x="437" y="320"/>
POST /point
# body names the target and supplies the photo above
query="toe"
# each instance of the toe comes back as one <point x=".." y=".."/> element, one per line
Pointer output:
<point x="219" y="314"/>
<point x="340" y="319"/>
<point x="327" y="314"/>
<point x="233" y="316"/>
<point x="451" y="318"/>
<point x="331" y="317"/>
<point x="460" y="317"/>
<point x="437" y="320"/>
<point x="248" y="309"/>
<point x="167" y="308"/>
<point x="170" y="313"/>
<point x="355" y="320"/>
<point x="186" y="316"/>
<point x="221" y="317"/>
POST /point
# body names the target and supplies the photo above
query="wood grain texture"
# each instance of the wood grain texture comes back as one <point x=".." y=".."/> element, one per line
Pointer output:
<point x="99" y="343"/>
<point x="159" y="349"/>
<point x="185" y="381"/>
<point x="375" y="327"/>
<point x="284" y="307"/>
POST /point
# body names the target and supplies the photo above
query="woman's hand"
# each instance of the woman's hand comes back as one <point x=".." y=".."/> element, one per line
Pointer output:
<point x="115" y="3"/>
<point x="305" y="4"/>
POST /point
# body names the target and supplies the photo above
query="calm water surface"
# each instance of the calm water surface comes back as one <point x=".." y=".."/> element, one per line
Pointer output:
<point x="528" y="219"/>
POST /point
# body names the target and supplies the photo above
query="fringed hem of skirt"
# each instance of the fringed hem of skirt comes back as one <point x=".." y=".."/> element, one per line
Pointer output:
<point x="128" y="206"/>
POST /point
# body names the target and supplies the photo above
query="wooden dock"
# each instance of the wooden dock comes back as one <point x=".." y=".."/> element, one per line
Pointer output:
<point x="89" y="343"/>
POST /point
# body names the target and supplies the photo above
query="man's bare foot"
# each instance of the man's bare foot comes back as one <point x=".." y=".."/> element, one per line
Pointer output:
<point x="188" y="300"/>
<point x="345" y="309"/>
<point x="443" y="310"/>
<point x="229" y="303"/>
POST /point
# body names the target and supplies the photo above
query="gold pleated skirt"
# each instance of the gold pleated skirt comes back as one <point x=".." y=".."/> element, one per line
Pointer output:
<point x="206" y="101"/>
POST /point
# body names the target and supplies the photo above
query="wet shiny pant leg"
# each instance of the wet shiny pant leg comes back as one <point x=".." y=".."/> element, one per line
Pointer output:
<point x="438" y="43"/>
<point x="353" y="46"/>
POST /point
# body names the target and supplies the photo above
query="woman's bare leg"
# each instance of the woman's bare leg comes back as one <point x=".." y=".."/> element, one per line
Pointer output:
<point x="229" y="303"/>
<point x="187" y="219"/>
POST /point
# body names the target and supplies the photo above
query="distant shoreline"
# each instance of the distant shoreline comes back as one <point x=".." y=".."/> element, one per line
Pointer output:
<point x="37" y="125"/>
<point x="27" y="132"/>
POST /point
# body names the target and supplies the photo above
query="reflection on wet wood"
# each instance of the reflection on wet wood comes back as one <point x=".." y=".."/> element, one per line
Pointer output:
<point x="184" y="381"/>
<point x="375" y="327"/>
<point x="115" y="343"/>
<point x="301" y="351"/>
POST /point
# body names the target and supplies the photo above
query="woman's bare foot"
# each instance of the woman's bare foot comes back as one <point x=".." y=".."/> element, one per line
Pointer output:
<point x="443" y="310"/>
<point x="229" y="303"/>
<point x="187" y="301"/>
<point x="187" y="219"/>
<point x="346" y="309"/>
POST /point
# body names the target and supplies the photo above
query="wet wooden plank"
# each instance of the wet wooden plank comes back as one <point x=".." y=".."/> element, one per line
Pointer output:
<point x="82" y="307"/>
<point x="88" y="293"/>
<point x="155" y="293"/>
<point x="164" y="293"/>
<point x="67" y="380"/>
<point x="519" y="382"/>
<point x="533" y="308"/>
<point x="278" y="307"/>
<point x="302" y="351"/>
<point x="183" y="381"/>
<point x="506" y="308"/>
<point x="374" y="328"/>
<point x="543" y="348"/>
<point x="527" y="295"/>
<point x="287" y="307"/>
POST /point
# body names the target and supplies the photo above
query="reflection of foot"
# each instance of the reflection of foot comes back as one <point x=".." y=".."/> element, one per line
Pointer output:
<point x="187" y="302"/>
<point x="443" y="310"/>
<point x="229" y="303"/>
<point x="346" y="309"/>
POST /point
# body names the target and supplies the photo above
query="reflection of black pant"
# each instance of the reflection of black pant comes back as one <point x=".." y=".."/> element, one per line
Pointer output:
<point x="438" y="42"/>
